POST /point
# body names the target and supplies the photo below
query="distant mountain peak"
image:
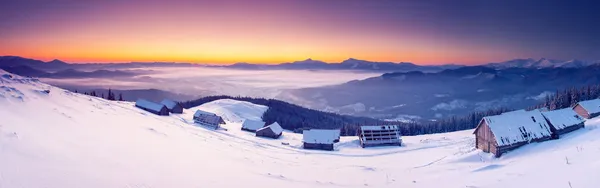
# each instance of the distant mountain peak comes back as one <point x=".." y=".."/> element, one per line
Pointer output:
<point x="309" y="60"/>
<point x="56" y="61"/>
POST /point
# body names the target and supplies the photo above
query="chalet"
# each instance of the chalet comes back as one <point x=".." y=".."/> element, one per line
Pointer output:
<point x="174" y="107"/>
<point x="208" y="119"/>
<point x="502" y="133"/>
<point x="588" y="109"/>
<point x="563" y="121"/>
<point x="319" y="139"/>
<point x="252" y="125"/>
<point x="155" y="108"/>
<point x="272" y="131"/>
<point x="383" y="135"/>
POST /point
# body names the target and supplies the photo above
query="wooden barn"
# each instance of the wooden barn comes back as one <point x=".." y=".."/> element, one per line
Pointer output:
<point x="174" y="107"/>
<point x="502" y="133"/>
<point x="252" y="125"/>
<point x="155" y="108"/>
<point x="320" y="139"/>
<point x="272" y="131"/>
<point x="563" y="121"/>
<point x="588" y="109"/>
<point x="381" y="135"/>
<point x="208" y="119"/>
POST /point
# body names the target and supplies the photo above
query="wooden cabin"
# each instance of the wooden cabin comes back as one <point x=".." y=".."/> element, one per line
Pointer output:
<point x="380" y="135"/>
<point x="320" y="139"/>
<point x="502" y="133"/>
<point x="208" y="119"/>
<point x="271" y="131"/>
<point x="155" y="108"/>
<point x="588" y="109"/>
<point x="563" y="121"/>
<point x="174" y="107"/>
<point x="252" y="125"/>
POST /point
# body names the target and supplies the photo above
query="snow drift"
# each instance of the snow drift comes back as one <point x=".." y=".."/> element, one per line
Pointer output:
<point x="64" y="139"/>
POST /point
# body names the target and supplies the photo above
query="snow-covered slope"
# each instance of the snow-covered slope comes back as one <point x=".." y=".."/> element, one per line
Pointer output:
<point x="63" y="139"/>
<point x="234" y="111"/>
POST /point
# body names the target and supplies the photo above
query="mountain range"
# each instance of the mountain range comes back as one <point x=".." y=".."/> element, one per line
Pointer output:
<point x="308" y="64"/>
<point x="65" y="73"/>
<point x="348" y="64"/>
<point x="414" y="95"/>
<point x="542" y="63"/>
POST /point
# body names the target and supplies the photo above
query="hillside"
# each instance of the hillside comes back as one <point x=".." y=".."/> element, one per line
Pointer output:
<point x="297" y="118"/>
<point x="81" y="141"/>
<point x="425" y="96"/>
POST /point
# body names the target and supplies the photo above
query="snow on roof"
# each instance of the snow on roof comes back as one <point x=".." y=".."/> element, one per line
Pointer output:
<point x="379" y="127"/>
<point x="149" y="105"/>
<point x="563" y="118"/>
<point x="276" y="128"/>
<point x="515" y="127"/>
<point x="200" y="112"/>
<point x="170" y="104"/>
<point x="592" y="106"/>
<point x="252" y="124"/>
<point x="320" y="136"/>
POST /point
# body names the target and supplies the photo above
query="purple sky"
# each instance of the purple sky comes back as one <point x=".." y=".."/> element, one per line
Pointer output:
<point x="424" y="32"/>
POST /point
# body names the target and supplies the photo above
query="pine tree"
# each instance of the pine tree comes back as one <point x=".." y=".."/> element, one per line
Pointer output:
<point x="111" y="95"/>
<point x="120" y="97"/>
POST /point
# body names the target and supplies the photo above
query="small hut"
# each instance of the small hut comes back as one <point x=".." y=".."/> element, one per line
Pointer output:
<point x="272" y="131"/>
<point x="502" y="133"/>
<point x="381" y="135"/>
<point x="174" y="107"/>
<point x="155" y="108"/>
<point x="252" y="125"/>
<point x="588" y="109"/>
<point x="320" y="139"/>
<point x="563" y="121"/>
<point x="208" y="119"/>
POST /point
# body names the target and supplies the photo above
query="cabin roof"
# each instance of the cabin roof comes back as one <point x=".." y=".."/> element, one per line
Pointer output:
<point x="275" y="127"/>
<point x="200" y="112"/>
<point x="253" y="124"/>
<point x="320" y="136"/>
<point x="563" y="118"/>
<point x="149" y="105"/>
<point x="170" y="104"/>
<point x="380" y="127"/>
<point x="592" y="106"/>
<point x="510" y="128"/>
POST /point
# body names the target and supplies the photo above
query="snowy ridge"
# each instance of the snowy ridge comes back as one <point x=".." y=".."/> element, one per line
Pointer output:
<point x="81" y="141"/>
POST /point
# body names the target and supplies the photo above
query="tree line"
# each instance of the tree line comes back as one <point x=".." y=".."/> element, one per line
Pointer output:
<point x="109" y="96"/>
<point x="569" y="97"/>
<point x="297" y="118"/>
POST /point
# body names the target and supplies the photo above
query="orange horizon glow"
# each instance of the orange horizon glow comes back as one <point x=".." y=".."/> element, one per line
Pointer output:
<point x="224" y="34"/>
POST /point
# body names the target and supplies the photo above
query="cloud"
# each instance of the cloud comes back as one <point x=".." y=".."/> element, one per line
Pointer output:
<point x="452" y="105"/>
<point x="218" y="81"/>
<point x="541" y="96"/>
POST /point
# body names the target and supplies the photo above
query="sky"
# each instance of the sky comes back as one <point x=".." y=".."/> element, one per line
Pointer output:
<point x="275" y="31"/>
